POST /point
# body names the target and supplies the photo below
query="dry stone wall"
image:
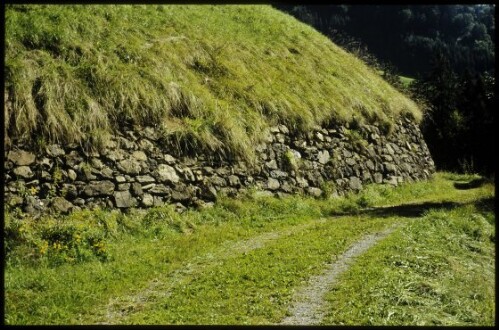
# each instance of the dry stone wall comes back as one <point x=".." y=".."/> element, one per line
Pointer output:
<point x="136" y="169"/>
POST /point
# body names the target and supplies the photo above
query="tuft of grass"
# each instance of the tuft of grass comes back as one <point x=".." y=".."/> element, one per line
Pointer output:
<point x="290" y="161"/>
<point x="211" y="78"/>
<point x="77" y="238"/>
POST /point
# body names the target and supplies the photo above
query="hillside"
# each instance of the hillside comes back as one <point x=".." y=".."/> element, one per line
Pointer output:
<point x="449" y="49"/>
<point x="211" y="78"/>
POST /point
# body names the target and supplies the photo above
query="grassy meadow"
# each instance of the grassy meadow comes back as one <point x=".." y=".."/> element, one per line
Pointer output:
<point x="241" y="261"/>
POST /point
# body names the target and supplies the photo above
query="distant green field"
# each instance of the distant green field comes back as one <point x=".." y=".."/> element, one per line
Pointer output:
<point x="212" y="77"/>
<point x="406" y="81"/>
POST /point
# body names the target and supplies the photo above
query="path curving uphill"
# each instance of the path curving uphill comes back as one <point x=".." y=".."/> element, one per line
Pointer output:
<point x="310" y="298"/>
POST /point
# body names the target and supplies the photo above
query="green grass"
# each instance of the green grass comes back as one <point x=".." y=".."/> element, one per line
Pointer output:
<point x="439" y="270"/>
<point x="406" y="81"/>
<point x="211" y="78"/>
<point x="254" y="288"/>
<point x="403" y="80"/>
<point x="101" y="266"/>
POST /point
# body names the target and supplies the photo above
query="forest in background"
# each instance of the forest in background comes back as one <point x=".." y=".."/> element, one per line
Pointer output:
<point x="448" y="49"/>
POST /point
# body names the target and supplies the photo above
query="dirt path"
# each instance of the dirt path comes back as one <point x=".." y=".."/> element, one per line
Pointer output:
<point x="118" y="308"/>
<point x="310" y="298"/>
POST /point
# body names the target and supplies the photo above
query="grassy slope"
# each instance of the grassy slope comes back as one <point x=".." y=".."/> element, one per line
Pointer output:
<point x="420" y="275"/>
<point x="213" y="77"/>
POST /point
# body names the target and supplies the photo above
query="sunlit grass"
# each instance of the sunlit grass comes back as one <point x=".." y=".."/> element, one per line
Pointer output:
<point x="212" y="78"/>
<point x="439" y="270"/>
<point x="56" y="273"/>
<point x="406" y="81"/>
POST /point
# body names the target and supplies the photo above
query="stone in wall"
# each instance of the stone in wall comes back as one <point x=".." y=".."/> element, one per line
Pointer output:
<point x="135" y="170"/>
<point x="21" y="157"/>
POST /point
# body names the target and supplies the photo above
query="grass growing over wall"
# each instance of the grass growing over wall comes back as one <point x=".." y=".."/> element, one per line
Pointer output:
<point x="212" y="78"/>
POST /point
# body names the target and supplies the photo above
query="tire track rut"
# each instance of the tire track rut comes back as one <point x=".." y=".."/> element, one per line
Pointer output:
<point x="119" y="308"/>
<point x="309" y="300"/>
